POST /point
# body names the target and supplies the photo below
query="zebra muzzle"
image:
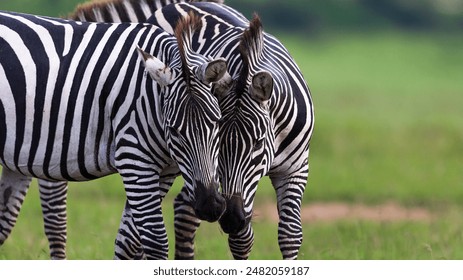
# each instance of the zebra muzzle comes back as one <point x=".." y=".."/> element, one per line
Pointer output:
<point x="234" y="218"/>
<point x="209" y="204"/>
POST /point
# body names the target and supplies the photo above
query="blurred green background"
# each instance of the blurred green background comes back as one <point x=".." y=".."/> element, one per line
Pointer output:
<point x="387" y="83"/>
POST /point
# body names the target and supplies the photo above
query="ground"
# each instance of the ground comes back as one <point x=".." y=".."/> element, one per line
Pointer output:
<point x="334" y="211"/>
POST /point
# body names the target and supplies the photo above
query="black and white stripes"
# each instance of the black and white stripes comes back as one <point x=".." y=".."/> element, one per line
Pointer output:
<point x="266" y="126"/>
<point x="80" y="101"/>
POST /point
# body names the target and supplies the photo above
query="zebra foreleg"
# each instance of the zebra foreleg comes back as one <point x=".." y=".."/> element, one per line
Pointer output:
<point x="144" y="200"/>
<point x="127" y="244"/>
<point x="13" y="190"/>
<point x="241" y="243"/>
<point x="53" y="197"/>
<point x="149" y="223"/>
<point x="289" y="190"/>
<point x="185" y="223"/>
<point x="153" y="234"/>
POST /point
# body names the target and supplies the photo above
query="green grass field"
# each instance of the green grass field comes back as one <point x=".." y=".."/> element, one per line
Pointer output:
<point x="389" y="127"/>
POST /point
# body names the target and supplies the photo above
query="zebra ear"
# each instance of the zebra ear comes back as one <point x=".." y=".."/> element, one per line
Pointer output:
<point x="261" y="86"/>
<point x="157" y="70"/>
<point x="222" y="86"/>
<point x="213" y="71"/>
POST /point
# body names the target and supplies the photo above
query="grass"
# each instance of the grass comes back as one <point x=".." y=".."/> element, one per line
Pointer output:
<point x="94" y="219"/>
<point x="388" y="116"/>
<point x="388" y="127"/>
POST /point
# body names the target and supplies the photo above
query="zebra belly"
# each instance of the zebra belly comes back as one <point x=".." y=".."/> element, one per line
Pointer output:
<point x="65" y="170"/>
<point x="77" y="158"/>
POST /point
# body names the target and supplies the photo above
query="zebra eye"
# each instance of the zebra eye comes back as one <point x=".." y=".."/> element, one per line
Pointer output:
<point x="173" y="132"/>
<point x="259" y="144"/>
<point x="258" y="151"/>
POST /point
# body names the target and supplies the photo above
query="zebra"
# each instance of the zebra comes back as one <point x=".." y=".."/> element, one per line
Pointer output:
<point x="81" y="101"/>
<point x="266" y="127"/>
<point x="53" y="194"/>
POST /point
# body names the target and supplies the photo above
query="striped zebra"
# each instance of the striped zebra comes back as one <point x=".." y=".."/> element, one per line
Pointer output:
<point x="266" y="127"/>
<point x="53" y="194"/>
<point x="80" y="101"/>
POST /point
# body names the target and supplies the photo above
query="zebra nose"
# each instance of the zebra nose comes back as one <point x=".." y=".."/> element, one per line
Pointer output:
<point x="234" y="218"/>
<point x="210" y="204"/>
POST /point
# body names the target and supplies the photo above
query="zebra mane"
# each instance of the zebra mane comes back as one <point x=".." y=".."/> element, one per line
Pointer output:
<point x="211" y="1"/>
<point x="251" y="46"/>
<point x="90" y="9"/>
<point x="184" y="30"/>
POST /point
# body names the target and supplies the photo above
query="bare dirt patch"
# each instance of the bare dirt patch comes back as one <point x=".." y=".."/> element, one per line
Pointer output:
<point x="334" y="211"/>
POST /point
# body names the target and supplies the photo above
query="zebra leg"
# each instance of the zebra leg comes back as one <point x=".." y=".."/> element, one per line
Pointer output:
<point x="127" y="244"/>
<point x="185" y="224"/>
<point x="289" y="190"/>
<point x="53" y="200"/>
<point x="149" y="223"/>
<point x="241" y="243"/>
<point x="142" y="190"/>
<point x="13" y="189"/>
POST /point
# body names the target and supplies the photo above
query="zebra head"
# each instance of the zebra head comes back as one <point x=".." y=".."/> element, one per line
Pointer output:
<point x="246" y="138"/>
<point x="191" y="123"/>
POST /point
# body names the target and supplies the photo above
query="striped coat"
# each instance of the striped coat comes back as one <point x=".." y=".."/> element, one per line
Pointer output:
<point x="81" y="101"/>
